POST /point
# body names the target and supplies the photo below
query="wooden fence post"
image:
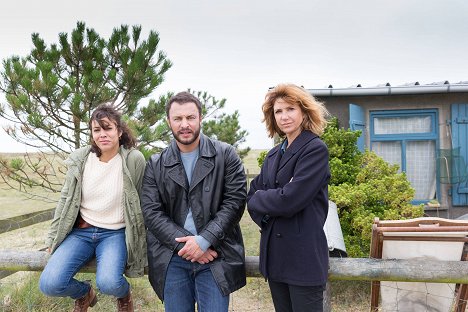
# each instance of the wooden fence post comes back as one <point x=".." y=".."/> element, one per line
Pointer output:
<point x="327" y="298"/>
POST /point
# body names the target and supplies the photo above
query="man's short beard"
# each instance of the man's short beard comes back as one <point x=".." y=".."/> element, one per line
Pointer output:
<point x="196" y="134"/>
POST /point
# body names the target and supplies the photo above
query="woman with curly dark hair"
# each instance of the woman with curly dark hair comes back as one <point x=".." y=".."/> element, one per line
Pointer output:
<point x="99" y="216"/>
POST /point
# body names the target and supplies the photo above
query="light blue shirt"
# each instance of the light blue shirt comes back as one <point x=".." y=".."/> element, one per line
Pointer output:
<point x="284" y="146"/>
<point x="189" y="160"/>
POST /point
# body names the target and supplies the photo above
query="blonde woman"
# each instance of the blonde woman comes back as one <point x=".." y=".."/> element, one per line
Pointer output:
<point x="288" y="200"/>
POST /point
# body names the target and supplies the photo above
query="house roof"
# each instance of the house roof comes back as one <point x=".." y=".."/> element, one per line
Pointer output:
<point x="387" y="89"/>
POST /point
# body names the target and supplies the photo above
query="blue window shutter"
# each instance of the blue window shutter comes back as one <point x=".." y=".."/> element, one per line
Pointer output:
<point x="357" y="121"/>
<point x="460" y="140"/>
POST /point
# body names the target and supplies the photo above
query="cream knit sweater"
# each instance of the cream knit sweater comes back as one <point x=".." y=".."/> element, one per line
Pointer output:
<point x="102" y="193"/>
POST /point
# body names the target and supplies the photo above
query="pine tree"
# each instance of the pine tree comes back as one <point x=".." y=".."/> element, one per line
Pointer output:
<point x="51" y="93"/>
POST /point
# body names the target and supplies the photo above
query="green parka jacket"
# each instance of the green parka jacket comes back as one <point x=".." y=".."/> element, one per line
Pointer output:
<point x="68" y="207"/>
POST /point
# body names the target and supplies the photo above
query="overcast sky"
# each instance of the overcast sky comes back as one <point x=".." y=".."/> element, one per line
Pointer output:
<point x="238" y="49"/>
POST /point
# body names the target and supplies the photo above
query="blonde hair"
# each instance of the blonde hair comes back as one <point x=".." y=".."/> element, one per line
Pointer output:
<point x="313" y="110"/>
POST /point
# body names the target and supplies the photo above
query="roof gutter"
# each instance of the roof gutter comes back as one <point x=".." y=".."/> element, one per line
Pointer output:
<point x="388" y="90"/>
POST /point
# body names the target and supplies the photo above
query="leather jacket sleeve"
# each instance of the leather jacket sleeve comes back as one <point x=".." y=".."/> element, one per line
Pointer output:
<point x="232" y="207"/>
<point x="156" y="219"/>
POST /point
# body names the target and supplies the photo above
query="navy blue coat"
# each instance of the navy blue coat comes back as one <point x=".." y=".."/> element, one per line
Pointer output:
<point x="289" y="201"/>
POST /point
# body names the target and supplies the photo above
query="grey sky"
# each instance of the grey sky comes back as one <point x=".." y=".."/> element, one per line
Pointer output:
<point x="238" y="49"/>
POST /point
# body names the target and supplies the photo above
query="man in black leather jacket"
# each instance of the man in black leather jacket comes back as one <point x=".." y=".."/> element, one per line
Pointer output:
<point x="193" y="198"/>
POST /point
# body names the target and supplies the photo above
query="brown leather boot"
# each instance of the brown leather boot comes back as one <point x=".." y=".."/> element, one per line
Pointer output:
<point x="88" y="300"/>
<point x="125" y="304"/>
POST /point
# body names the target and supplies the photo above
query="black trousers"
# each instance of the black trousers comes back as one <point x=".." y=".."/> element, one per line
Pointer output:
<point x="291" y="298"/>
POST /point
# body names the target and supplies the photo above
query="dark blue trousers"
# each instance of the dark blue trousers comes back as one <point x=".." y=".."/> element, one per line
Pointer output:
<point x="292" y="298"/>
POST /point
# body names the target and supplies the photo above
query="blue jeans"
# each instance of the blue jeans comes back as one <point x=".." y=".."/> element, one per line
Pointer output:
<point x="187" y="283"/>
<point x="80" y="246"/>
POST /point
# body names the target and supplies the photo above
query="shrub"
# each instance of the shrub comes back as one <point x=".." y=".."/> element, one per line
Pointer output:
<point x="379" y="191"/>
<point x="344" y="154"/>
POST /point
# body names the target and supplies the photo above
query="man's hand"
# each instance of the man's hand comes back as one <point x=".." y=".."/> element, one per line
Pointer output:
<point x="191" y="251"/>
<point x="207" y="257"/>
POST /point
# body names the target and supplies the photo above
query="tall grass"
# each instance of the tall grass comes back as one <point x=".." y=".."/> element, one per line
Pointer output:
<point x="23" y="199"/>
<point x="346" y="296"/>
<point x="27" y="297"/>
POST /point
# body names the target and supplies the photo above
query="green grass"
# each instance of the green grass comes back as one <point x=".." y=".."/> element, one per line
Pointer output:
<point x="27" y="297"/>
<point x="350" y="296"/>
<point x="346" y="296"/>
<point x="21" y="200"/>
<point x="15" y="203"/>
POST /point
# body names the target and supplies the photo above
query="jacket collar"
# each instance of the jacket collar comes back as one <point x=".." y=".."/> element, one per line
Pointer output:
<point x="303" y="138"/>
<point x="278" y="161"/>
<point x="124" y="152"/>
<point x="206" y="150"/>
<point x="76" y="160"/>
<point x="203" y="167"/>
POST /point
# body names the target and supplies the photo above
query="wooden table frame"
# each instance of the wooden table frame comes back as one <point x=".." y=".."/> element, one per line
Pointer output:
<point x="418" y="225"/>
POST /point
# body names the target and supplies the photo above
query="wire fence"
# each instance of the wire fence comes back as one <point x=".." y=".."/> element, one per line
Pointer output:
<point x="419" y="297"/>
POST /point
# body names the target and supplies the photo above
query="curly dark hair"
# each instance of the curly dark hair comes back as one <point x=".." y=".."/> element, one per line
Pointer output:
<point x="107" y="110"/>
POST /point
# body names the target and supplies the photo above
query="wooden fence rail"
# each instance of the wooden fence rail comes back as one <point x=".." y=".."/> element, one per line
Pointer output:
<point x="364" y="269"/>
<point x="18" y="222"/>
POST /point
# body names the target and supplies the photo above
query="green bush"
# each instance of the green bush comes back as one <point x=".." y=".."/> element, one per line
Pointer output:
<point x="363" y="186"/>
<point x="261" y="158"/>
<point x="379" y="191"/>
<point x="344" y="154"/>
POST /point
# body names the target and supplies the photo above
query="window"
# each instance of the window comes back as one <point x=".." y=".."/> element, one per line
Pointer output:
<point x="408" y="138"/>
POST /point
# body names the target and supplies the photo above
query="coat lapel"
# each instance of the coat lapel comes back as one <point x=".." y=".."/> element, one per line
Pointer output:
<point x="273" y="165"/>
<point x="285" y="158"/>
<point x="296" y="145"/>
<point x="204" y="165"/>
<point x="205" y="162"/>
<point x="177" y="172"/>
<point x="202" y="168"/>
<point x="76" y="161"/>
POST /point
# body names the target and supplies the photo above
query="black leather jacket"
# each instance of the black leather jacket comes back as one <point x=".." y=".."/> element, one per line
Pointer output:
<point x="216" y="196"/>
